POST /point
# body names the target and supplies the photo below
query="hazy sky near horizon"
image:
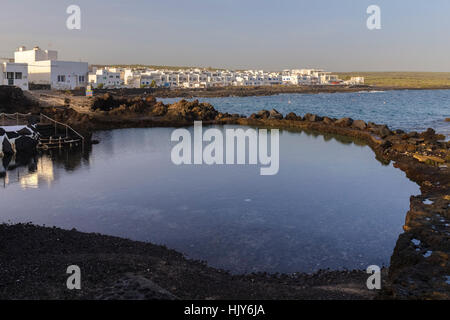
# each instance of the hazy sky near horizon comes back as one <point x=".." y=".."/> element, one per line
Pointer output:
<point x="261" y="34"/>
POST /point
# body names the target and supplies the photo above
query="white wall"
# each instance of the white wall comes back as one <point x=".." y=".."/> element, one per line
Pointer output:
<point x="47" y="72"/>
<point x="39" y="72"/>
<point x="29" y="56"/>
<point x="19" y="73"/>
<point x="108" y="79"/>
<point x="71" y="72"/>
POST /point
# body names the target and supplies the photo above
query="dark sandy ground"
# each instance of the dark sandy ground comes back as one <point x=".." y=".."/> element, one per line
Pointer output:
<point x="34" y="261"/>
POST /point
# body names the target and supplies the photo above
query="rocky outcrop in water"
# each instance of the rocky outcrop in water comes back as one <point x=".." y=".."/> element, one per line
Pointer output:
<point x="190" y="111"/>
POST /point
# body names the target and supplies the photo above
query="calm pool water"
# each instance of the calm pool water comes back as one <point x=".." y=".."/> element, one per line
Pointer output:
<point x="332" y="204"/>
<point x="399" y="109"/>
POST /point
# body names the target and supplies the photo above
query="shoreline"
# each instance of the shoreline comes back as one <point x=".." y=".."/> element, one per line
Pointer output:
<point x="418" y="269"/>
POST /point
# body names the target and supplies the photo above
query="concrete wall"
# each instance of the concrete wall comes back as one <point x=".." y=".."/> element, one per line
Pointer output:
<point x="19" y="73"/>
<point x="39" y="72"/>
<point x="30" y="56"/>
<point x="72" y="72"/>
<point x="47" y="72"/>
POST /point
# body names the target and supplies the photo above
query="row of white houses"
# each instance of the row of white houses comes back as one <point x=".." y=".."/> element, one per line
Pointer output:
<point x="202" y="78"/>
<point x="42" y="67"/>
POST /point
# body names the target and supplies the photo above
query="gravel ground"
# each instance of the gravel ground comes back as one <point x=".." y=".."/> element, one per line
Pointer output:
<point x="34" y="260"/>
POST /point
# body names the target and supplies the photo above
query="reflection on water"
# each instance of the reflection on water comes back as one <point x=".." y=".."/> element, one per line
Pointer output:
<point x="34" y="171"/>
<point x="332" y="204"/>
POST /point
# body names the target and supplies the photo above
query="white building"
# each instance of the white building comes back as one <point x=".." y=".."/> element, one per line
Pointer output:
<point x="14" y="74"/>
<point x="105" y="78"/>
<point x="44" y="68"/>
<point x="355" y="81"/>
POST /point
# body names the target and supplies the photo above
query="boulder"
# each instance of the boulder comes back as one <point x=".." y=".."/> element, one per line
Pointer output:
<point x="150" y="100"/>
<point x="404" y="147"/>
<point x="381" y="130"/>
<point x="263" y="114"/>
<point x="189" y="111"/>
<point x="429" y="135"/>
<point x="12" y="99"/>
<point x="312" y="117"/>
<point x="159" y="109"/>
<point x="274" y="114"/>
<point x="327" y="120"/>
<point x="293" y="116"/>
<point x="384" y="131"/>
<point x="359" y="124"/>
<point x="344" y="122"/>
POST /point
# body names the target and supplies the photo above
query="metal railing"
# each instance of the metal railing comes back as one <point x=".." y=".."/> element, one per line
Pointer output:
<point x="56" y="123"/>
<point x="7" y="119"/>
<point x="10" y="119"/>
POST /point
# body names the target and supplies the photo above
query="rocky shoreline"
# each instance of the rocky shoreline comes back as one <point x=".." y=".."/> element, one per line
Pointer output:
<point x="419" y="266"/>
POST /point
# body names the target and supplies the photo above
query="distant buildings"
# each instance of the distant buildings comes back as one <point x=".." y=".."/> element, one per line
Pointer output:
<point x="105" y="78"/>
<point x="202" y="78"/>
<point x="355" y="81"/>
<point x="44" y="68"/>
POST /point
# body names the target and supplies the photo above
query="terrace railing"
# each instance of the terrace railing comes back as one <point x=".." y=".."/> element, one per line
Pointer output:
<point x="68" y="129"/>
<point x="11" y="119"/>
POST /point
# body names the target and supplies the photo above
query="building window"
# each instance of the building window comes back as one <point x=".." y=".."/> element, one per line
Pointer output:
<point x="80" y="78"/>
<point x="19" y="75"/>
<point x="61" y="78"/>
<point x="10" y="75"/>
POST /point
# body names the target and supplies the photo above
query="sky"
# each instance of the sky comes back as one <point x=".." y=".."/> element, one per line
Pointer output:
<point x="237" y="34"/>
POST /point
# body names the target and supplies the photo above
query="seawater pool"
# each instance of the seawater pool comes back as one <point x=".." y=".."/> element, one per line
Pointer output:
<point x="331" y="205"/>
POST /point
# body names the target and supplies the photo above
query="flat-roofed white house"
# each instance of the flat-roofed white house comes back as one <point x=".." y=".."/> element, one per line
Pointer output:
<point x="105" y="78"/>
<point x="14" y="74"/>
<point x="44" y="68"/>
<point x="355" y="80"/>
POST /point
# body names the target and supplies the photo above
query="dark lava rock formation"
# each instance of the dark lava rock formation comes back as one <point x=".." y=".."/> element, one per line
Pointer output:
<point x="12" y="100"/>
